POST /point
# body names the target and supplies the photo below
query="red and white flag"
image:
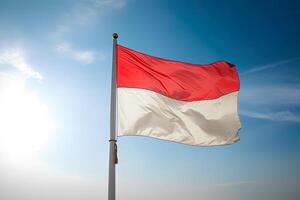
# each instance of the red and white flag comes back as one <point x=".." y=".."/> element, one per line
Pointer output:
<point x="170" y="100"/>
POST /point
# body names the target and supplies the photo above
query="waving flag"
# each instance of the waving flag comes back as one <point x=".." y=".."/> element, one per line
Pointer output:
<point x="176" y="101"/>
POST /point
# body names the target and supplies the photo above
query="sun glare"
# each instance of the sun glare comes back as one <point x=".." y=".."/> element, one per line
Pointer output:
<point x="25" y="122"/>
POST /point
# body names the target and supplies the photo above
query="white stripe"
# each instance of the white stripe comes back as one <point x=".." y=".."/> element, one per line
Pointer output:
<point x="204" y="123"/>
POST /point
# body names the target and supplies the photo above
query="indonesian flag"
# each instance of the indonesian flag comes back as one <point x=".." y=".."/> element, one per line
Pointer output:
<point x="176" y="101"/>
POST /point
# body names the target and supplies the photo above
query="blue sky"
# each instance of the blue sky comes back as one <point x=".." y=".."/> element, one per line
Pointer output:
<point x="55" y="65"/>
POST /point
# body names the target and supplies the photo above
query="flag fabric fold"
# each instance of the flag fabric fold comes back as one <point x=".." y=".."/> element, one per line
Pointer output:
<point x="176" y="101"/>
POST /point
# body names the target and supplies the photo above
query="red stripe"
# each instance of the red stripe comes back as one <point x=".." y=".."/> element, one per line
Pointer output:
<point x="177" y="80"/>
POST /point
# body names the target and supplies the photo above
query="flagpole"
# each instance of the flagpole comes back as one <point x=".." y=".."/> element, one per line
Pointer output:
<point x="112" y="142"/>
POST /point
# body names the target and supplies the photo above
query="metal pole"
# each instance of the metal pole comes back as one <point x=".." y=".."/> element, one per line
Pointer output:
<point x="112" y="141"/>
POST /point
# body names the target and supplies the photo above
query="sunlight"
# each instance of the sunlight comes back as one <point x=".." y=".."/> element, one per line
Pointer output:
<point x="25" y="122"/>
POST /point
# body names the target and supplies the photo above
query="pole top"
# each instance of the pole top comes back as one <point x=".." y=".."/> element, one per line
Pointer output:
<point x="115" y="35"/>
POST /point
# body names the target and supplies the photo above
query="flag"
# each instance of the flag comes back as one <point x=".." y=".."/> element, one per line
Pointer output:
<point x="176" y="101"/>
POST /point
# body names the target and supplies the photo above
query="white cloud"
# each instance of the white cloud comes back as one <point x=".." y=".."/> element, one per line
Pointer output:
<point x="273" y="116"/>
<point x="85" y="12"/>
<point x="113" y="3"/>
<point x="15" y="57"/>
<point x="276" y="90"/>
<point x="82" y="14"/>
<point x="268" y="66"/>
<point x="63" y="47"/>
<point x="284" y="94"/>
<point x="83" y="56"/>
